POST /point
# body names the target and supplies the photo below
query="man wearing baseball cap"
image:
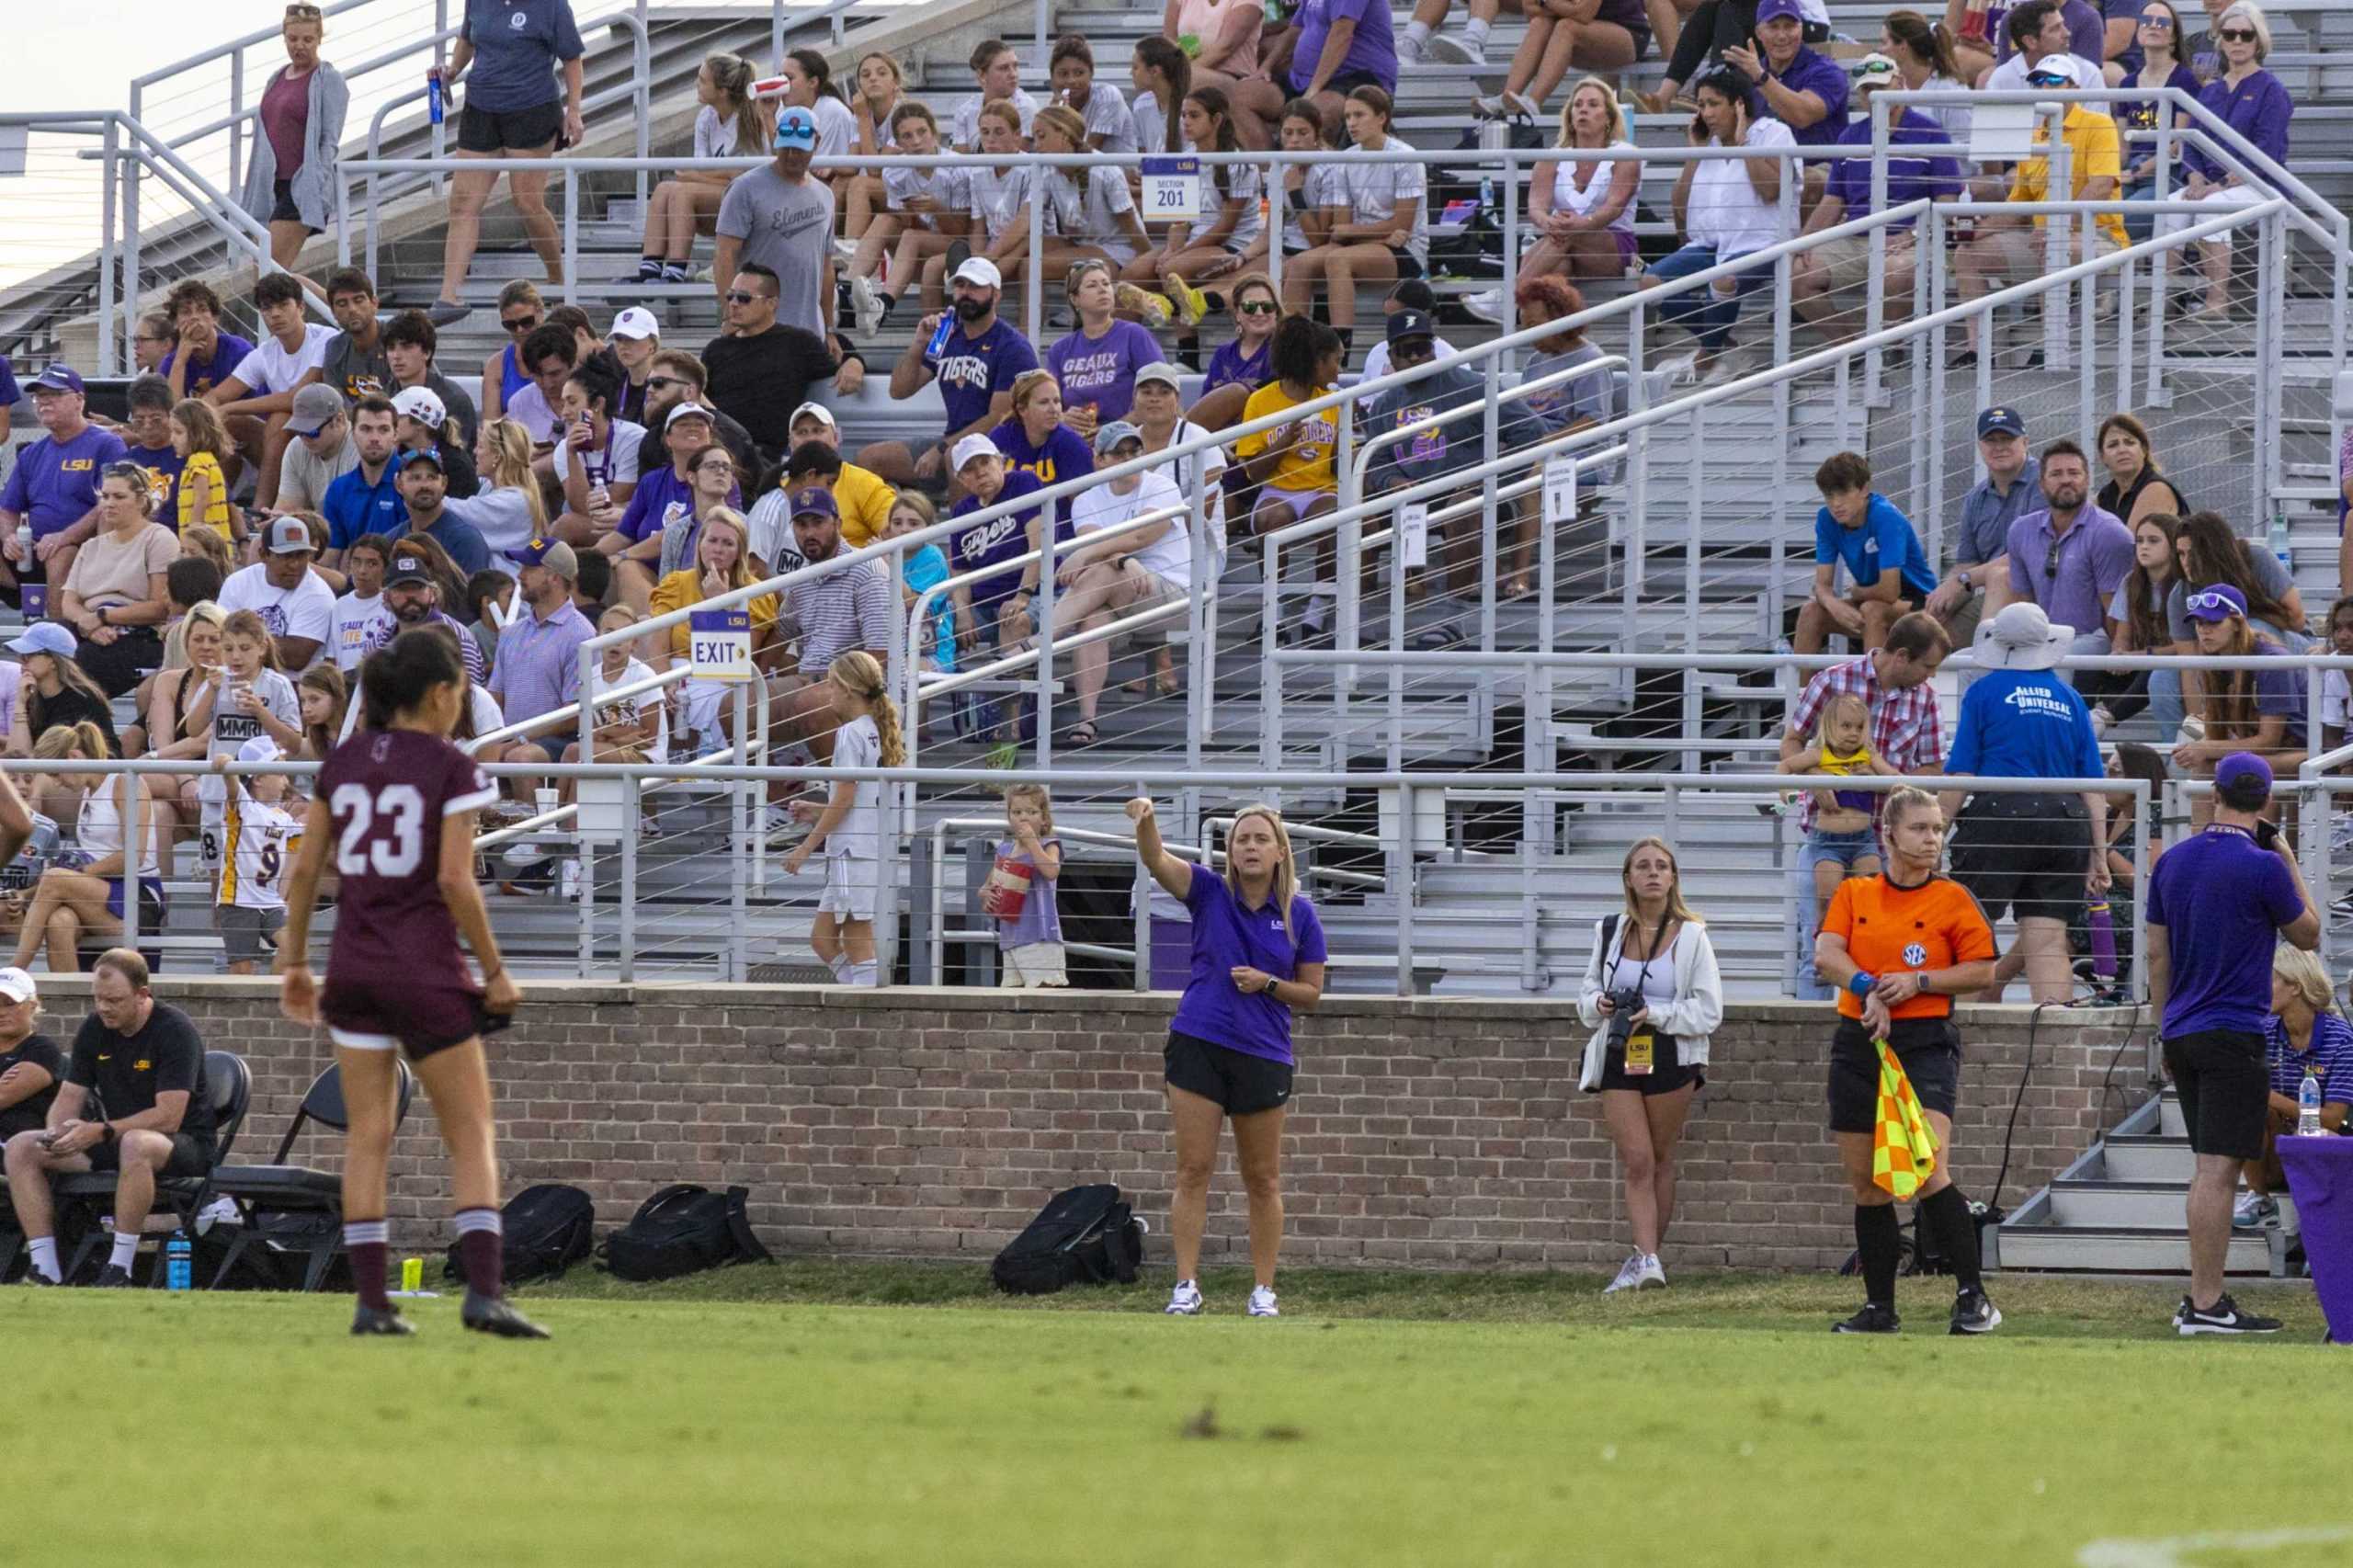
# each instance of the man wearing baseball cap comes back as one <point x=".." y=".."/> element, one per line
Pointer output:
<point x="321" y="452"/>
<point x="1804" y="90"/>
<point x="1828" y="281"/>
<point x="412" y="599"/>
<point x="864" y="499"/>
<point x="54" y="486"/>
<point x="425" y="487"/>
<point x="31" y="1063"/>
<point x="976" y="366"/>
<point x="1979" y="583"/>
<point x="2218" y="903"/>
<point x="782" y="217"/>
<point x="539" y="653"/>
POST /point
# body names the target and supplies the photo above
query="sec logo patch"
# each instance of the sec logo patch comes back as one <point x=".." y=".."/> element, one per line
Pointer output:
<point x="1916" y="955"/>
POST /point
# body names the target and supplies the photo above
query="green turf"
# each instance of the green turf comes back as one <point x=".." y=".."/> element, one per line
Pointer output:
<point x="886" y="1414"/>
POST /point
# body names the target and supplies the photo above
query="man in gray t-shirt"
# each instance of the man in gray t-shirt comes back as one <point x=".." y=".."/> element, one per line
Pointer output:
<point x="1978" y="584"/>
<point x="782" y="218"/>
<point x="321" y="452"/>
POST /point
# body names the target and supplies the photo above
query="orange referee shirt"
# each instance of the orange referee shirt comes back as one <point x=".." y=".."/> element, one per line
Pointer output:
<point x="1889" y="929"/>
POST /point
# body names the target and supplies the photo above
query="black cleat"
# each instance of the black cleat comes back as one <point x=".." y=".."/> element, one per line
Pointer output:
<point x="2223" y="1317"/>
<point x="113" y="1278"/>
<point x="35" y="1276"/>
<point x="380" y="1320"/>
<point x="1973" y="1314"/>
<point x="1872" y="1319"/>
<point x="495" y="1314"/>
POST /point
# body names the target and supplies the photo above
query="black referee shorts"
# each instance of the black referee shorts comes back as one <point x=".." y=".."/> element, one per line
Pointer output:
<point x="1929" y="1051"/>
<point x="2026" y="853"/>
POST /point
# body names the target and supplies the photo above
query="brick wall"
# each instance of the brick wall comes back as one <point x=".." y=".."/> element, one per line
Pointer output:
<point x="1434" y="1134"/>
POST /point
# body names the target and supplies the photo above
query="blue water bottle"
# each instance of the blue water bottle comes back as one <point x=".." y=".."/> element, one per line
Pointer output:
<point x="180" y="1263"/>
<point x="433" y="109"/>
<point x="940" y="338"/>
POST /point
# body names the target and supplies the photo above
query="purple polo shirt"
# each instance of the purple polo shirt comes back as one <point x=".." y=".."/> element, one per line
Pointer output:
<point x="1372" y="48"/>
<point x="538" y="662"/>
<point x="1810" y="73"/>
<point x="1225" y="935"/>
<point x="2257" y="109"/>
<point x="2093" y="557"/>
<point x="55" y="483"/>
<point x="1908" y="179"/>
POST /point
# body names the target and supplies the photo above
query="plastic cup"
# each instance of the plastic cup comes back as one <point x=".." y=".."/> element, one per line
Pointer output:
<point x="412" y="1275"/>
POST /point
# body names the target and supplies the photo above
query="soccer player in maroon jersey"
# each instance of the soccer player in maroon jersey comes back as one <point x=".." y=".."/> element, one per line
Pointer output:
<point x="395" y="806"/>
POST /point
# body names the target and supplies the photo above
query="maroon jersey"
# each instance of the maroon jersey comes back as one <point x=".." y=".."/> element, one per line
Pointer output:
<point x="388" y="793"/>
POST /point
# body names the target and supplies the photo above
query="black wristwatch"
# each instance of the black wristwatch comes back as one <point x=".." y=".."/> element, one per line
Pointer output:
<point x="107" y="1128"/>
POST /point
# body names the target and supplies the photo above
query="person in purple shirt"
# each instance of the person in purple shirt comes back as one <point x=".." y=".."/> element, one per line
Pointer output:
<point x="976" y="360"/>
<point x="995" y="607"/>
<point x="1803" y="90"/>
<point x="2070" y="557"/>
<point x="1259" y="954"/>
<point x="2257" y="106"/>
<point x="1827" y="282"/>
<point x="202" y="355"/>
<point x="1342" y="45"/>
<point x="9" y="395"/>
<point x="1096" y="366"/>
<point x="2260" y="706"/>
<point x="1244" y="362"/>
<point x="54" y="485"/>
<point x="2159" y="65"/>
<point x="1035" y="440"/>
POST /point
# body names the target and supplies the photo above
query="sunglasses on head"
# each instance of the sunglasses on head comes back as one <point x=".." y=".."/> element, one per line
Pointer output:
<point x="303" y="12"/>
<point x="2237" y="35"/>
<point x="2211" y="600"/>
<point x="521" y="325"/>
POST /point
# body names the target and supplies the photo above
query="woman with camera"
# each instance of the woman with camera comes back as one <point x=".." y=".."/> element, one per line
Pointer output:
<point x="1654" y="995"/>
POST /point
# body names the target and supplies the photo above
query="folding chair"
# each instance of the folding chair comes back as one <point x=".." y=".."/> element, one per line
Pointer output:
<point x="292" y="1209"/>
<point x="87" y="1195"/>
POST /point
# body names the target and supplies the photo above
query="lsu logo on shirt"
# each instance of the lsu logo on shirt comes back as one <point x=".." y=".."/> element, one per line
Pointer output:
<point x="77" y="465"/>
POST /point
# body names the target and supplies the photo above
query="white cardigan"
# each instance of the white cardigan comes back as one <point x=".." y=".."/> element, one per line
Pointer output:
<point x="1690" y="1018"/>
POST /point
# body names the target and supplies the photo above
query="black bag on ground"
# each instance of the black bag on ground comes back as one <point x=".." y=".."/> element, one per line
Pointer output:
<point x="1086" y="1233"/>
<point x="683" y="1229"/>
<point x="544" y="1230"/>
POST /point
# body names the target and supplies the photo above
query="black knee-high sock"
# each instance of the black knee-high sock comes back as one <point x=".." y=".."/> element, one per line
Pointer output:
<point x="1947" y="1218"/>
<point x="1879" y="1241"/>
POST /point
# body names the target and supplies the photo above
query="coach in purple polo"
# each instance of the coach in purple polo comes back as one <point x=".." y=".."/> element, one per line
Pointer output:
<point x="1804" y="90"/>
<point x="537" y="668"/>
<point x="2070" y="557"/>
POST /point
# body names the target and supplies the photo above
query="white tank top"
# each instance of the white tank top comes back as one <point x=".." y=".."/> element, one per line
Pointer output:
<point x="1581" y="200"/>
<point x="97" y="829"/>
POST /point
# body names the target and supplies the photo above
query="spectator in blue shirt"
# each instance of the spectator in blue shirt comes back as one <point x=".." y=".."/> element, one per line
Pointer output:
<point x="1829" y="282"/>
<point x="516" y="108"/>
<point x="1804" y="90"/>
<point x="1888" y="572"/>
<point x="2257" y="106"/>
<point x="365" y="499"/>
<point x="2031" y="853"/>
<point x="2305" y="1033"/>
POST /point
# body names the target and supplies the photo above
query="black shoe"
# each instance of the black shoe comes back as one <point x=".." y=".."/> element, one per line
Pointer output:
<point x="2223" y="1317"/>
<point x="35" y="1276"/>
<point x="494" y="1314"/>
<point x="1872" y="1319"/>
<point x="1973" y="1314"/>
<point x="113" y="1278"/>
<point x="380" y="1320"/>
<point x="958" y="252"/>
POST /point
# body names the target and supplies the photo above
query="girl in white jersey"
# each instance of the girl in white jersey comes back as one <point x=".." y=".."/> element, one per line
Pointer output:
<point x="849" y="826"/>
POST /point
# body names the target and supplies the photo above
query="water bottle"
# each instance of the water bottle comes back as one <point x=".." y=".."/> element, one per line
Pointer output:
<point x="1487" y="194"/>
<point x="24" y="546"/>
<point x="2279" y="546"/>
<point x="940" y="338"/>
<point x="180" y="1261"/>
<point x="2101" y="922"/>
<point x="2308" y="1108"/>
<point x="433" y="102"/>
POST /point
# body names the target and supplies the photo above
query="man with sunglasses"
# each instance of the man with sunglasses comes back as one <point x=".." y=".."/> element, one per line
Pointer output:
<point x="2071" y="557"/>
<point x="321" y="451"/>
<point x="762" y="367"/>
<point x="678" y="377"/>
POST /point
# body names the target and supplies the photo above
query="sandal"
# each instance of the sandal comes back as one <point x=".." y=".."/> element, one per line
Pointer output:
<point x="1080" y="734"/>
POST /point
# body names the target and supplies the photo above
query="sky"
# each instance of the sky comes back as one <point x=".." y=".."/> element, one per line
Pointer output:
<point x="55" y="65"/>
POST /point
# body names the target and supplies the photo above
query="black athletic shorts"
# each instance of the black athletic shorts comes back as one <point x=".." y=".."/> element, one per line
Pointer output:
<point x="2225" y="1088"/>
<point x="1406" y="265"/>
<point x="1929" y="1050"/>
<point x="192" y="1157"/>
<point x="523" y="130"/>
<point x="1666" y="1075"/>
<point x="1241" y="1084"/>
<point x="2027" y="854"/>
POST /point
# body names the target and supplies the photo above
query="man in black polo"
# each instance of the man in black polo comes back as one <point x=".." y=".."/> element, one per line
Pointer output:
<point x="147" y="1064"/>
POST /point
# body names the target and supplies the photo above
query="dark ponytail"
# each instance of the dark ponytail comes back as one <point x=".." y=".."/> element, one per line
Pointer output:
<point x="397" y="676"/>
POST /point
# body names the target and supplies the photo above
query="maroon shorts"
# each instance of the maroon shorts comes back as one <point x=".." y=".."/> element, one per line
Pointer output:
<point x="419" y="1018"/>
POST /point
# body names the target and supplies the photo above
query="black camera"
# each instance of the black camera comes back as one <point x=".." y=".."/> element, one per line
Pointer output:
<point x="1624" y="1002"/>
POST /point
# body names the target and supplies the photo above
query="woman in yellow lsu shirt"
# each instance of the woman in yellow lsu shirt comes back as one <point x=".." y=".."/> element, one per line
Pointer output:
<point x="722" y="563"/>
<point x="1292" y="464"/>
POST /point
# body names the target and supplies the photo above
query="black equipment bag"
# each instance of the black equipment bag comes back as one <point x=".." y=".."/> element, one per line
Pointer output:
<point x="683" y="1229"/>
<point x="1086" y="1234"/>
<point x="545" y="1230"/>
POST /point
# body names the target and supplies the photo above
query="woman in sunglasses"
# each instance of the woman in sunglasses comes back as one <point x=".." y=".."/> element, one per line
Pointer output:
<point x="521" y="312"/>
<point x="2256" y="105"/>
<point x="289" y="177"/>
<point x="2259" y="705"/>
<point x="2211" y="553"/>
<point x="2159" y="38"/>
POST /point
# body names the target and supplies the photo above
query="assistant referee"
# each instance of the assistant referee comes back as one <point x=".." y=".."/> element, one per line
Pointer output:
<point x="1900" y="946"/>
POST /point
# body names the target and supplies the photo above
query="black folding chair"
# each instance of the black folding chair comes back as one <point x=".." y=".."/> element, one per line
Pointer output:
<point x="87" y="1195"/>
<point x="291" y="1208"/>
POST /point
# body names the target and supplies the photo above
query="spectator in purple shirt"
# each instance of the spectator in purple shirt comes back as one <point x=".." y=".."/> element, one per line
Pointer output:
<point x="2257" y="106"/>
<point x="1096" y="365"/>
<point x="1341" y="45"/>
<point x="204" y="356"/>
<point x="1244" y="362"/>
<point x="2159" y="53"/>
<point x="54" y="488"/>
<point x="1802" y="89"/>
<point x="2260" y="706"/>
<point x="539" y="654"/>
<point x="2070" y="557"/>
<point x="1828" y="282"/>
<point x="975" y="365"/>
<point x="1258" y="956"/>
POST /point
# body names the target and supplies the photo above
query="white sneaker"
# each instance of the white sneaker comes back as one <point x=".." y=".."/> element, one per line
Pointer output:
<point x="1262" y="1304"/>
<point x="2102" y="719"/>
<point x="776" y="822"/>
<point x="1629" y="1276"/>
<point x="1652" y="1273"/>
<point x="1184" y="1302"/>
<point x="1487" y="305"/>
<point x="1457" y="50"/>
<point x="1411" y="51"/>
<point x="866" y="304"/>
<point x="219" y="1211"/>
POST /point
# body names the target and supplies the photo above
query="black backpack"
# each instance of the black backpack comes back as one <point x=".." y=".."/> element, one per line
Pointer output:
<point x="683" y="1229"/>
<point x="1086" y="1233"/>
<point x="545" y="1230"/>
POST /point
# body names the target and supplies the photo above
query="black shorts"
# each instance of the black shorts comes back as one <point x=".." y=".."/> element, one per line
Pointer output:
<point x="1666" y="1075"/>
<point x="282" y="209"/>
<point x="521" y="130"/>
<point x="1406" y="265"/>
<point x="1241" y="1084"/>
<point x="1346" y="81"/>
<point x="2225" y="1088"/>
<point x="421" y="1020"/>
<point x="192" y="1157"/>
<point x="1929" y="1050"/>
<point x="2028" y="854"/>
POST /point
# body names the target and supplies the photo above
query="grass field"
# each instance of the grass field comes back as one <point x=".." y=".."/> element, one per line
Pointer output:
<point x="897" y="1414"/>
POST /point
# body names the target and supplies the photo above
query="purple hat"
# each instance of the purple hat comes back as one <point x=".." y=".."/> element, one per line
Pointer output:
<point x="2242" y="782"/>
<point x="58" y="378"/>
<point x="814" y="500"/>
<point x="2217" y="601"/>
<point x="1768" y="10"/>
